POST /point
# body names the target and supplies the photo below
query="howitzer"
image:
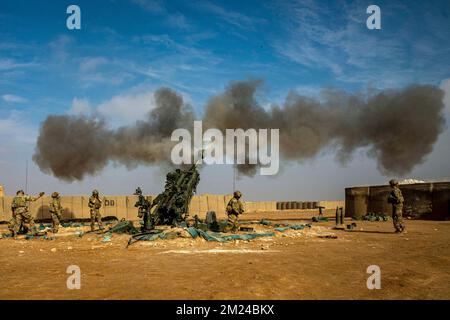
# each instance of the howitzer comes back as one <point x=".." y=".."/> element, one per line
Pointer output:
<point x="172" y="205"/>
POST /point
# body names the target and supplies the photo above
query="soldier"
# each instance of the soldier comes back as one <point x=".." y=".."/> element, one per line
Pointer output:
<point x="21" y="214"/>
<point x="396" y="199"/>
<point x="234" y="208"/>
<point x="95" y="204"/>
<point x="56" y="211"/>
<point x="143" y="206"/>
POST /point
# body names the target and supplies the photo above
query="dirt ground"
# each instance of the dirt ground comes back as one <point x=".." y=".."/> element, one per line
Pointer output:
<point x="291" y="265"/>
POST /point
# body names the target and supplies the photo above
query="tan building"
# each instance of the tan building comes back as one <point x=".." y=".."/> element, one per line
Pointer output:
<point x="422" y="200"/>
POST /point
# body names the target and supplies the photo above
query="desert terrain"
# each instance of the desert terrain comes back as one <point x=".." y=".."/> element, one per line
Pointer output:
<point x="305" y="264"/>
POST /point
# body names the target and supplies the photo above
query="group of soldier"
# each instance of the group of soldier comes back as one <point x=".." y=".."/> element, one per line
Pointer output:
<point x="22" y="220"/>
<point x="234" y="208"/>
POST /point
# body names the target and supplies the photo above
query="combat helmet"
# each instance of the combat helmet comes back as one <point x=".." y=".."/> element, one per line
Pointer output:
<point x="237" y="194"/>
<point x="20" y="191"/>
<point x="138" y="191"/>
<point x="393" y="182"/>
<point x="95" y="192"/>
<point x="55" y="195"/>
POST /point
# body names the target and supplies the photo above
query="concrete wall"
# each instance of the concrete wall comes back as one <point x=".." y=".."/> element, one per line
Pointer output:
<point x="303" y="205"/>
<point x="422" y="200"/>
<point x="76" y="207"/>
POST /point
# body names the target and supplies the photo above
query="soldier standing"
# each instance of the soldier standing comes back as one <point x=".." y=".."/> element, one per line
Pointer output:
<point x="235" y="207"/>
<point x="21" y="213"/>
<point x="396" y="199"/>
<point x="56" y="211"/>
<point x="143" y="206"/>
<point x="95" y="204"/>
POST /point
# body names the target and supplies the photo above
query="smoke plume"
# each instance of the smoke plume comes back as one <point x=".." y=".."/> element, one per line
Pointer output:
<point x="397" y="127"/>
<point x="73" y="146"/>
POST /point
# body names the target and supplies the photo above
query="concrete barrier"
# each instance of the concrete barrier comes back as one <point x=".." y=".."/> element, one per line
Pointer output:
<point x="422" y="200"/>
<point x="331" y="204"/>
<point x="123" y="207"/>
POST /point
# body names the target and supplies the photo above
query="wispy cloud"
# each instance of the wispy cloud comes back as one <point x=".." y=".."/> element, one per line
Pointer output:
<point x="178" y="20"/>
<point x="320" y="39"/>
<point x="92" y="63"/>
<point x="11" y="64"/>
<point x="16" y="122"/>
<point x="234" y="18"/>
<point x="13" y="98"/>
<point x="154" y="6"/>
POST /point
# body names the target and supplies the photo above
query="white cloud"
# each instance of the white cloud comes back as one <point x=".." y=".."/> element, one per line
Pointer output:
<point x="80" y="106"/>
<point x="15" y="132"/>
<point x="9" y="64"/>
<point x="92" y="63"/>
<point x="445" y="85"/>
<point x="120" y="110"/>
<point x="13" y="98"/>
<point x="127" y="108"/>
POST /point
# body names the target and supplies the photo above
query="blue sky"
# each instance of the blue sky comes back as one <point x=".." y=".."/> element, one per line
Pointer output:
<point x="128" y="48"/>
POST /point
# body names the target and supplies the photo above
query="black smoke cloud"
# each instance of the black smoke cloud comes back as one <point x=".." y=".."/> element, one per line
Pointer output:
<point x="397" y="127"/>
<point x="72" y="146"/>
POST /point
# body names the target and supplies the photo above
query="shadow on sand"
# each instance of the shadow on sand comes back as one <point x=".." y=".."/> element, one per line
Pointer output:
<point x="372" y="231"/>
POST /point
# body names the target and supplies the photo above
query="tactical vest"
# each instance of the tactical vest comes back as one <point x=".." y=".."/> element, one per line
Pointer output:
<point x="55" y="206"/>
<point x="95" y="203"/>
<point x="19" y="205"/>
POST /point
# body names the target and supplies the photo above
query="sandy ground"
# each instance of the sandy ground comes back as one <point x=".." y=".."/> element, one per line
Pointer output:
<point x="292" y="265"/>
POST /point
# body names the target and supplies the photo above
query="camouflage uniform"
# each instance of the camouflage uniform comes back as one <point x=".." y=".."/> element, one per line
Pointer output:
<point x="235" y="207"/>
<point x="21" y="214"/>
<point x="95" y="204"/>
<point x="55" y="211"/>
<point x="396" y="199"/>
<point x="143" y="206"/>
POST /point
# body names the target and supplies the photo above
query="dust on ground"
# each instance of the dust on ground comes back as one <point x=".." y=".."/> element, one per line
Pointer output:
<point x="295" y="264"/>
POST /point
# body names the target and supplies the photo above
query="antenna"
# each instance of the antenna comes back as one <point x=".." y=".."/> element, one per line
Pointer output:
<point x="234" y="177"/>
<point x="26" y="177"/>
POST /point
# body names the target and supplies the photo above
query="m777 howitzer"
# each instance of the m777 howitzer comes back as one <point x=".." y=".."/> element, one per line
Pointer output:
<point x="171" y="207"/>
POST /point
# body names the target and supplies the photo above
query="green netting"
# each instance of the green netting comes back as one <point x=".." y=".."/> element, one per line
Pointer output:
<point x="293" y="227"/>
<point x="215" y="236"/>
<point x="124" y="227"/>
<point x="300" y="226"/>
<point x="320" y="219"/>
<point x="219" y="237"/>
